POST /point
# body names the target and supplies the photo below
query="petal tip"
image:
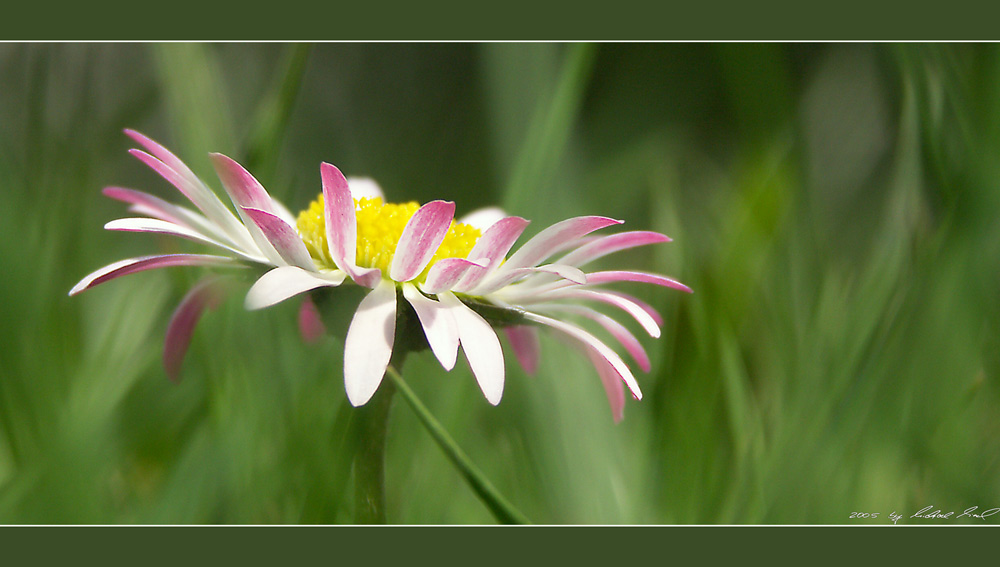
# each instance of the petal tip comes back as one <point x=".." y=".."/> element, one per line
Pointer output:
<point x="327" y="168"/>
<point x="359" y="393"/>
<point x="139" y="137"/>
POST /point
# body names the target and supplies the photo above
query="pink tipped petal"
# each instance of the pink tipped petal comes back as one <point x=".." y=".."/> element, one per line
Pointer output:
<point x="206" y="294"/>
<point x="149" y="204"/>
<point x="493" y="245"/>
<point x="445" y="273"/>
<point x="574" y="275"/>
<point x="205" y="200"/>
<point x="421" y="238"/>
<point x="281" y="283"/>
<point x="368" y="347"/>
<point x="481" y="345"/>
<point x="630" y="307"/>
<point x="524" y="340"/>
<point x="157" y="226"/>
<point x="570" y="273"/>
<point x="612" y="384"/>
<point x="162" y="154"/>
<point x="146" y="204"/>
<point x="616" y="329"/>
<point x="341" y="222"/>
<point x="247" y="193"/>
<point x="282" y="212"/>
<point x="612" y="358"/>
<point x="364" y="188"/>
<point x="653" y="313"/>
<point x="439" y="326"/>
<point x="242" y="187"/>
<point x="641" y="277"/>
<point x="627" y="340"/>
<point x="605" y="245"/>
<point x="342" y="226"/>
<point x="483" y="218"/>
<point x="184" y="185"/>
<point x="311" y="325"/>
<point x="133" y="265"/>
<point x="546" y="242"/>
<point x="283" y="238"/>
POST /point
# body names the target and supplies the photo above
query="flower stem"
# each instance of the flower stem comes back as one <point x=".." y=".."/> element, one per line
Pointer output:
<point x="369" y="460"/>
<point x="502" y="510"/>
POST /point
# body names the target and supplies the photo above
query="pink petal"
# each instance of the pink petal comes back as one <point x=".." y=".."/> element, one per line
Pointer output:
<point x="546" y="242"/>
<point x="163" y="154"/>
<point x="630" y="307"/>
<point x="629" y="276"/>
<point x="612" y="384"/>
<point x="208" y="294"/>
<point x="524" y="340"/>
<point x="421" y="238"/>
<point x="283" y="238"/>
<point x="311" y="325"/>
<point x="242" y="187"/>
<point x="284" y="282"/>
<point x="481" y="345"/>
<point x="612" y="358"/>
<point x="493" y="245"/>
<point x="605" y="245"/>
<point x="133" y="265"/>
<point x="368" y="347"/>
<point x="342" y="226"/>
<point x="439" y="326"/>
<point x="193" y="192"/>
<point x="445" y="273"/>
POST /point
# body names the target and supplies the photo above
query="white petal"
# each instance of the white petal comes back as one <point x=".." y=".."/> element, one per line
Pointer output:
<point x="364" y="187"/>
<point x="368" y="347"/>
<point x="281" y="283"/>
<point x="483" y="218"/>
<point x="166" y="227"/>
<point x="634" y="309"/>
<point x="481" y="346"/>
<point x="438" y="323"/>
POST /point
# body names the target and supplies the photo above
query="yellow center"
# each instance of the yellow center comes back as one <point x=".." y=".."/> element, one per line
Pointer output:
<point x="379" y="227"/>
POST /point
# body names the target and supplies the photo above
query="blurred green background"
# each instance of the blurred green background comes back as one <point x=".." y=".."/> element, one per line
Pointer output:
<point x="834" y="207"/>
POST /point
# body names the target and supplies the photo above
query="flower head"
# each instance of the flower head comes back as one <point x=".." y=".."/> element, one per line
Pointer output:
<point x="455" y="276"/>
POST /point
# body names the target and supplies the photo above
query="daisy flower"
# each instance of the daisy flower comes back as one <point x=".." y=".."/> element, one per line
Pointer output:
<point x="461" y="285"/>
<point x="456" y="277"/>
